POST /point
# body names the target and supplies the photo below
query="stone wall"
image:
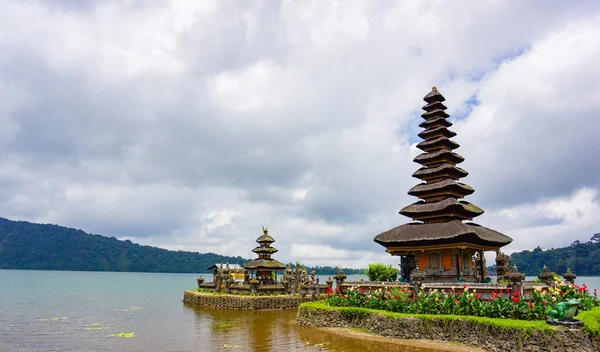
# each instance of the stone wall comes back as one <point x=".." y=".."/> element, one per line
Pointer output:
<point x="471" y="332"/>
<point x="244" y="302"/>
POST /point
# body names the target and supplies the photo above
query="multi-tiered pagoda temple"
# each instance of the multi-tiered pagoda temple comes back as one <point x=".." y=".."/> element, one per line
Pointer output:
<point x="264" y="266"/>
<point x="440" y="244"/>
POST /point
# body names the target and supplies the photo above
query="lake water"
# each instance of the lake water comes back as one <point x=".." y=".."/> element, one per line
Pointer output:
<point x="78" y="311"/>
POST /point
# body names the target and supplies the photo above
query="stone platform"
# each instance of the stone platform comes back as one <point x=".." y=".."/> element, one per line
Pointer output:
<point x="474" y="331"/>
<point x="245" y="302"/>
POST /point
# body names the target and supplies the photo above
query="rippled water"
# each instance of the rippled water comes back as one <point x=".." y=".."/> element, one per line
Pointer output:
<point x="78" y="311"/>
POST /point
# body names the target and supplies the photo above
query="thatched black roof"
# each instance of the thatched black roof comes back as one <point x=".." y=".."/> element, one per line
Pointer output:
<point x="434" y="96"/>
<point x="440" y="131"/>
<point x="442" y="155"/>
<point x="445" y="186"/>
<point x="444" y="170"/>
<point x="434" y="113"/>
<point x="439" y="121"/>
<point x="268" y="264"/>
<point x="418" y="235"/>
<point x="434" y="106"/>
<point x="268" y="250"/>
<point x="265" y="238"/>
<point x="442" y="209"/>
<point x="440" y="205"/>
<point x="436" y="144"/>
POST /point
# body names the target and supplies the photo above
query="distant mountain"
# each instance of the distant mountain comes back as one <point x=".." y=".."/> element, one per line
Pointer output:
<point x="25" y="245"/>
<point x="582" y="257"/>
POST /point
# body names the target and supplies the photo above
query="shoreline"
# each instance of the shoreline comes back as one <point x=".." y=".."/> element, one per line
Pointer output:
<point x="447" y="346"/>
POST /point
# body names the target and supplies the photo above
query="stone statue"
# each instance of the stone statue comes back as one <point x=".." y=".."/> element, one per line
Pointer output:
<point x="502" y="265"/>
<point x="312" y="277"/>
<point x="303" y="276"/>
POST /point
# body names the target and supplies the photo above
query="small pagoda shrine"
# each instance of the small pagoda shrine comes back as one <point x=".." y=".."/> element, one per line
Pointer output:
<point x="264" y="266"/>
<point x="440" y="246"/>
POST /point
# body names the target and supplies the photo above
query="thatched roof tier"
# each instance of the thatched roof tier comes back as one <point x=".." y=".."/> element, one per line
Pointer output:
<point x="439" y="121"/>
<point x="434" y="114"/>
<point x="419" y="235"/>
<point x="438" y="157"/>
<point x="265" y="250"/>
<point x="439" y="131"/>
<point x="265" y="238"/>
<point x="443" y="171"/>
<point x="434" y="96"/>
<point x="437" y="144"/>
<point x="445" y="188"/>
<point x="268" y="264"/>
<point x="449" y="208"/>
<point x="435" y="106"/>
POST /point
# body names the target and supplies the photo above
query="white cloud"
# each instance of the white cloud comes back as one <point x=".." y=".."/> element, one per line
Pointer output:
<point x="188" y="125"/>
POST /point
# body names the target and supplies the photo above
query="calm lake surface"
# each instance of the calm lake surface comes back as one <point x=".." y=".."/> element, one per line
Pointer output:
<point x="78" y="311"/>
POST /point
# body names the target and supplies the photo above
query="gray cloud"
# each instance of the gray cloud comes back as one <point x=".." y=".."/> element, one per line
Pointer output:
<point x="189" y="126"/>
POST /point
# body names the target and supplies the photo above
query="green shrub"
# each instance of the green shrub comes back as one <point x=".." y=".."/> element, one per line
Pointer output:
<point x="381" y="272"/>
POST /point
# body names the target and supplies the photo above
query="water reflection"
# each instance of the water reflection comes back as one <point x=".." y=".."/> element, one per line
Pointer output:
<point x="263" y="331"/>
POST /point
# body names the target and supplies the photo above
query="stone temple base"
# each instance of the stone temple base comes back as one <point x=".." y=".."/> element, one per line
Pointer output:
<point x="246" y="302"/>
<point x="570" y="323"/>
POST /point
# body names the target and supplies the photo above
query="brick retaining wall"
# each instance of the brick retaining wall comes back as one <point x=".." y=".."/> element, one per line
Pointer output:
<point x="245" y="302"/>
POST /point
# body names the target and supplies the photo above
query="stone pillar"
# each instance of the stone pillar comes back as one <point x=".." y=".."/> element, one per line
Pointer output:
<point x="569" y="276"/>
<point x="339" y="278"/>
<point x="502" y="263"/>
<point x="516" y="280"/>
<point x="546" y="276"/>
<point x="317" y="290"/>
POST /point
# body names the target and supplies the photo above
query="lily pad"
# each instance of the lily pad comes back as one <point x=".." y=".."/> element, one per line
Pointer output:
<point x="232" y="346"/>
<point x="322" y="344"/>
<point x="124" y="335"/>
<point x="97" y="328"/>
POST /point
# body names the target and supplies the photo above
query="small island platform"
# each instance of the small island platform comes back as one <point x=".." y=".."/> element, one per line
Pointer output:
<point x="232" y="301"/>
<point x="489" y="334"/>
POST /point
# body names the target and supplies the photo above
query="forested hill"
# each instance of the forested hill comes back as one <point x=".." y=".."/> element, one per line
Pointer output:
<point x="582" y="257"/>
<point x="24" y="245"/>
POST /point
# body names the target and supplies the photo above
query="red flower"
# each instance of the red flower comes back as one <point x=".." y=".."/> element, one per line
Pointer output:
<point x="530" y="305"/>
<point x="595" y="292"/>
<point x="464" y="286"/>
<point x="562" y="293"/>
<point x="457" y="301"/>
<point x="543" y="301"/>
<point x="476" y="296"/>
<point x="516" y="299"/>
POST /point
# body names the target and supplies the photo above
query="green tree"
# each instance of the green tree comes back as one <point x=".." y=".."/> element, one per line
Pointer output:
<point x="381" y="272"/>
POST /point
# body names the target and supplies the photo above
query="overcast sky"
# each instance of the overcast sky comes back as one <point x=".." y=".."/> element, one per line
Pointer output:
<point x="190" y="124"/>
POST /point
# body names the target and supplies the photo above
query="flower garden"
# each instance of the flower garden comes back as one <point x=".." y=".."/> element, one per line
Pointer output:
<point x="464" y="301"/>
